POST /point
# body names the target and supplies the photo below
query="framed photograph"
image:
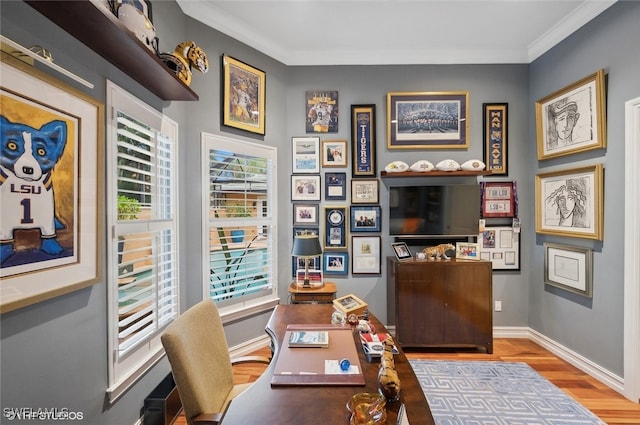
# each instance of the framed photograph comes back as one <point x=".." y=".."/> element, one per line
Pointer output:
<point x="365" y="253"/>
<point x="365" y="191"/>
<point x="53" y="241"/>
<point x="335" y="186"/>
<point x="305" y="214"/>
<point x="572" y="119"/>
<point x="495" y="126"/>
<point x="365" y="219"/>
<point x="501" y="246"/>
<point x="467" y="251"/>
<point x="335" y="263"/>
<point x="305" y="154"/>
<point x="297" y="231"/>
<point x="315" y="263"/>
<point x="305" y="188"/>
<point x="570" y="202"/>
<point x="243" y="96"/>
<point x="401" y="250"/>
<point x="499" y="199"/>
<point x="335" y="229"/>
<point x="315" y="276"/>
<point x="350" y="304"/>
<point x="363" y="139"/>
<point x="569" y="268"/>
<point x="427" y="120"/>
<point x="321" y="111"/>
<point x="334" y="153"/>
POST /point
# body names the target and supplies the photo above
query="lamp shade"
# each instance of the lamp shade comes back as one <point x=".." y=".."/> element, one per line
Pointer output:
<point x="306" y="246"/>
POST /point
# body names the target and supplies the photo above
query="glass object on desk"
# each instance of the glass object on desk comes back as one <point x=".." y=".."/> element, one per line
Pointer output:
<point x="367" y="409"/>
<point x="338" y="318"/>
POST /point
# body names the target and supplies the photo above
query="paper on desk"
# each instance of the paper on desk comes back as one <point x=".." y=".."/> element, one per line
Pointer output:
<point x="332" y="367"/>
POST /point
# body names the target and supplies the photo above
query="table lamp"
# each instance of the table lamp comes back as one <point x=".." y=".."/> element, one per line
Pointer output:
<point x="306" y="246"/>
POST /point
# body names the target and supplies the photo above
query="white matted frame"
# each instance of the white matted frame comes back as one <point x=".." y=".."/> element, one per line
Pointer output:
<point x="31" y="98"/>
<point x="365" y="255"/>
<point x="467" y="251"/>
<point x="501" y="246"/>
<point x="305" y="154"/>
<point x="569" y="268"/>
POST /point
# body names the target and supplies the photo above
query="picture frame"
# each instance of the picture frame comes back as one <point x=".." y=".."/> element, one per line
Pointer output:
<point x="363" y="140"/>
<point x="315" y="277"/>
<point x="335" y="153"/>
<point x="365" y="254"/>
<point x="350" y="304"/>
<point x="499" y="199"/>
<point x="366" y="219"/>
<point x="501" y="246"/>
<point x="467" y="251"/>
<point x="305" y="188"/>
<point x="496" y="137"/>
<point x="335" y="186"/>
<point x="365" y="191"/>
<point x="569" y="268"/>
<point x="572" y="119"/>
<point x="401" y="250"/>
<point x="321" y="111"/>
<point x="33" y="270"/>
<point x="298" y="264"/>
<point x="428" y="120"/>
<point x="305" y="214"/>
<point x="335" y="228"/>
<point x="243" y="96"/>
<point x="305" y="155"/>
<point x="570" y="202"/>
<point x="335" y="263"/>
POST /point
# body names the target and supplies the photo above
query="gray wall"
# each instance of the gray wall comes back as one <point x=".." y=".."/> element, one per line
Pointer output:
<point x="54" y="353"/>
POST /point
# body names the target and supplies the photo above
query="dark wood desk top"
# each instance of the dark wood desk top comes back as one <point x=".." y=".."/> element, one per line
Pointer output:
<point x="322" y="404"/>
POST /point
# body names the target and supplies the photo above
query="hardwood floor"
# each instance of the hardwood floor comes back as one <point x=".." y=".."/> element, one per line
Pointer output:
<point x="604" y="402"/>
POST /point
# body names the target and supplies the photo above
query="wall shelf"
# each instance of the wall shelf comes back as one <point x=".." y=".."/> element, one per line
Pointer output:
<point x="435" y="173"/>
<point x="113" y="41"/>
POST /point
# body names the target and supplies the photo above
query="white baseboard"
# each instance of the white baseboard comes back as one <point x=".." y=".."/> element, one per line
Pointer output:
<point x="250" y="346"/>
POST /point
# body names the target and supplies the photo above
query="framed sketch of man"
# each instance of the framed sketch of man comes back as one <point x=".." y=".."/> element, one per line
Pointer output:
<point x="572" y="119"/>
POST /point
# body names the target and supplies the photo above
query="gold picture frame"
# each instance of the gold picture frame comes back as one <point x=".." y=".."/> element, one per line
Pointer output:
<point x="243" y="96"/>
<point x="570" y="202"/>
<point x="572" y="119"/>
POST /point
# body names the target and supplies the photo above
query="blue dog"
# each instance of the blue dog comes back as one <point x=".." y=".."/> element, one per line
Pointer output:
<point x="27" y="158"/>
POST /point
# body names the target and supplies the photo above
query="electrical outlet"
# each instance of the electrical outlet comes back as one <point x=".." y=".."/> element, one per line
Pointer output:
<point x="498" y="306"/>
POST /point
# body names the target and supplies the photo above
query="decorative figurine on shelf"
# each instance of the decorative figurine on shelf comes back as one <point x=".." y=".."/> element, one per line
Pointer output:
<point x="439" y="251"/>
<point x="138" y="23"/>
<point x="186" y="56"/>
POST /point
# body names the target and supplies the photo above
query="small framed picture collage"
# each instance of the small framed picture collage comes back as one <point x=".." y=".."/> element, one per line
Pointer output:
<point x="342" y="210"/>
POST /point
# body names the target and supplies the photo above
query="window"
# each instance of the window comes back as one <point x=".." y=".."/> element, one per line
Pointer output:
<point x="143" y="249"/>
<point x="239" y="218"/>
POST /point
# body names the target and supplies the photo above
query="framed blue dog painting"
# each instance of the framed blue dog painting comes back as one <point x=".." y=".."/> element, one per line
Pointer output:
<point x="50" y="186"/>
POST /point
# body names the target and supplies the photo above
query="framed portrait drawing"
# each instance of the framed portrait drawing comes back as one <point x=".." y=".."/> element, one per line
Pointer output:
<point x="569" y="268"/>
<point x="501" y="246"/>
<point x="365" y="219"/>
<point x="401" y="250"/>
<point x="570" y="202"/>
<point x="54" y="220"/>
<point x="496" y="136"/>
<point x="499" y="199"/>
<point x="363" y="139"/>
<point x="572" y="119"/>
<point x="335" y="263"/>
<point x="321" y="111"/>
<point x="334" y="153"/>
<point x="305" y="188"/>
<point x="243" y="96"/>
<point x="305" y="154"/>
<point x="427" y="120"/>
<point x="365" y="253"/>
<point x="335" y="229"/>
<point x="335" y="186"/>
<point x="305" y="214"/>
<point x="365" y="191"/>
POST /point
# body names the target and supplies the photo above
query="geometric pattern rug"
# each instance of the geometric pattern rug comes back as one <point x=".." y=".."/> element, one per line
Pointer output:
<point x="496" y="393"/>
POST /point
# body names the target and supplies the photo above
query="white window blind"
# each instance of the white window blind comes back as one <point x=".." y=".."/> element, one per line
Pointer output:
<point x="239" y="210"/>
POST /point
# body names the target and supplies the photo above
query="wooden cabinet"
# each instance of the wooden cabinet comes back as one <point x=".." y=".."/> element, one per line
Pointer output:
<point x="441" y="303"/>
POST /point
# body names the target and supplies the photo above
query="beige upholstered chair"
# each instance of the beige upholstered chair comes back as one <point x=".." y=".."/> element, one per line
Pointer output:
<point x="202" y="368"/>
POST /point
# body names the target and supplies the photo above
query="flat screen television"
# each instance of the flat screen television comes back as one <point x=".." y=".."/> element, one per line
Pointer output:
<point x="434" y="211"/>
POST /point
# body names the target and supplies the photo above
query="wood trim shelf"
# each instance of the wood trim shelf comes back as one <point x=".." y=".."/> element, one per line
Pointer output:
<point x="110" y="39"/>
<point x="435" y="173"/>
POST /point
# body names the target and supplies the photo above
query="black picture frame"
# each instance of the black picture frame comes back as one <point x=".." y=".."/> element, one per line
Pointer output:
<point x="496" y="136"/>
<point x="335" y="219"/>
<point x="335" y="186"/>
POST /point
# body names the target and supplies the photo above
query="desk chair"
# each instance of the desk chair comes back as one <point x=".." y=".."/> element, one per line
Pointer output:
<point x="197" y="350"/>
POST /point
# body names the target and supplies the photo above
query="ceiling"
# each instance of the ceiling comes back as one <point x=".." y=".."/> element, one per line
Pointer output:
<point x="379" y="32"/>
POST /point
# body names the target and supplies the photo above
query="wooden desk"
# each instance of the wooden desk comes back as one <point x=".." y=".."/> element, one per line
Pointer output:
<point x="324" y="295"/>
<point x="322" y="404"/>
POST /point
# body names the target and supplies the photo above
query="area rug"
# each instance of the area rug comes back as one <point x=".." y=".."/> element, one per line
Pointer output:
<point x="496" y="393"/>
